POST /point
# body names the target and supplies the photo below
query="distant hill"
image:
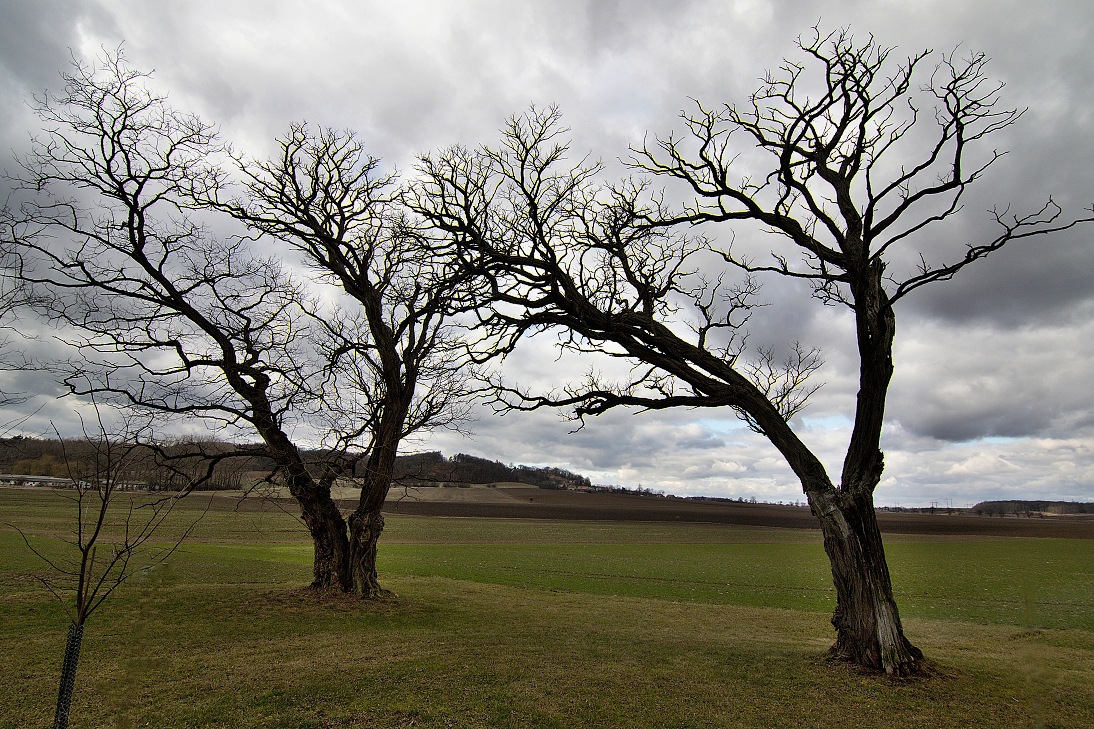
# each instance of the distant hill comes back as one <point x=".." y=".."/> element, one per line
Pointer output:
<point x="433" y="469"/>
<point x="45" y="457"/>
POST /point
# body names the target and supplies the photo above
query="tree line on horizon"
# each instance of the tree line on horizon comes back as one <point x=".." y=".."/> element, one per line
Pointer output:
<point x="1019" y="507"/>
<point x="249" y="465"/>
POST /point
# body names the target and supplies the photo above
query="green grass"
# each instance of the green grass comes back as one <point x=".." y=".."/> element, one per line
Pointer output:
<point x="546" y="624"/>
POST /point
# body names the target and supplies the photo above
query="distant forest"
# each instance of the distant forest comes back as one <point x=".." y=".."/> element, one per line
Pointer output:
<point x="75" y="459"/>
<point x="1027" y="508"/>
<point x="433" y="469"/>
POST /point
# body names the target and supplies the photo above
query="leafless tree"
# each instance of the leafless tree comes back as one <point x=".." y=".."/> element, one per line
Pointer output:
<point x="845" y="186"/>
<point x="111" y="536"/>
<point x="395" y="357"/>
<point x="166" y="318"/>
<point x="178" y="322"/>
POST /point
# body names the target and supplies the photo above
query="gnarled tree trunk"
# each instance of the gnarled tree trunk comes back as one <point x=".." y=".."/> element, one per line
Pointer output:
<point x="866" y="619"/>
<point x="330" y="566"/>
<point x="365" y="527"/>
<point x="366" y="524"/>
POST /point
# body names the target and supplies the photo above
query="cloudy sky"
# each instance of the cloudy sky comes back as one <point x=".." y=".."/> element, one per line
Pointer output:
<point x="993" y="395"/>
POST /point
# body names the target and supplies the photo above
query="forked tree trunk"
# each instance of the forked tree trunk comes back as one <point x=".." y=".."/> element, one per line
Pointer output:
<point x="867" y="623"/>
<point x="365" y="528"/>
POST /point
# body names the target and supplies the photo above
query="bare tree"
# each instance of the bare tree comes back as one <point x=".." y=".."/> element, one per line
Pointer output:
<point x="111" y="536"/>
<point x="618" y="272"/>
<point x="396" y="358"/>
<point x="166" y="318"/>
<point x="184" y="324"/>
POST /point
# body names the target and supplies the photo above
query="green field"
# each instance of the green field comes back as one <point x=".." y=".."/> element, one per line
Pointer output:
<point x="545" y="624"/>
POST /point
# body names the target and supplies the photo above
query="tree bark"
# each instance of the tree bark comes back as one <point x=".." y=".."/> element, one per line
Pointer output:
<point x="365" y="527"/>
<point x="330" y="565"/>
<point x="366" y="523"/>
<point x="866" y="619"/>
<point x="868" y="628"/>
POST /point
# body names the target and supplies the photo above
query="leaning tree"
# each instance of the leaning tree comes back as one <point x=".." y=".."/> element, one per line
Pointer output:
<point x="849" y="185"/>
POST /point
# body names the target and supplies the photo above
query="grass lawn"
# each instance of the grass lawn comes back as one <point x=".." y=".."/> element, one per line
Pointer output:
<point x="506" y="623"/>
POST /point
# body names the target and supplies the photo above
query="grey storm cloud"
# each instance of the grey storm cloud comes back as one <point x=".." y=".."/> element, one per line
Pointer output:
<point x="992" y="394"/>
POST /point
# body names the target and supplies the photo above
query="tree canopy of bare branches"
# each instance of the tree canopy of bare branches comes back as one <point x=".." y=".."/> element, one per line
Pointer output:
<point x="392" y="340"/>
<point x="172" y="319"/>
<point x="843" y="186"/>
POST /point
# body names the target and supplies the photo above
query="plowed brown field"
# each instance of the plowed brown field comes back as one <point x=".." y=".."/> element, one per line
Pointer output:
<point x="527" y="502"/>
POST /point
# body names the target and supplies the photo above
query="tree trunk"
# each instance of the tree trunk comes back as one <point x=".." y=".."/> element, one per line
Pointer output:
<point x="867" y="623"/>
<point x="330" y="565"/>
<point x="68" y="675"/>
<point x="366" y="523"/>
<point x="330" y="561"/>
<point x="365" y="527"/>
